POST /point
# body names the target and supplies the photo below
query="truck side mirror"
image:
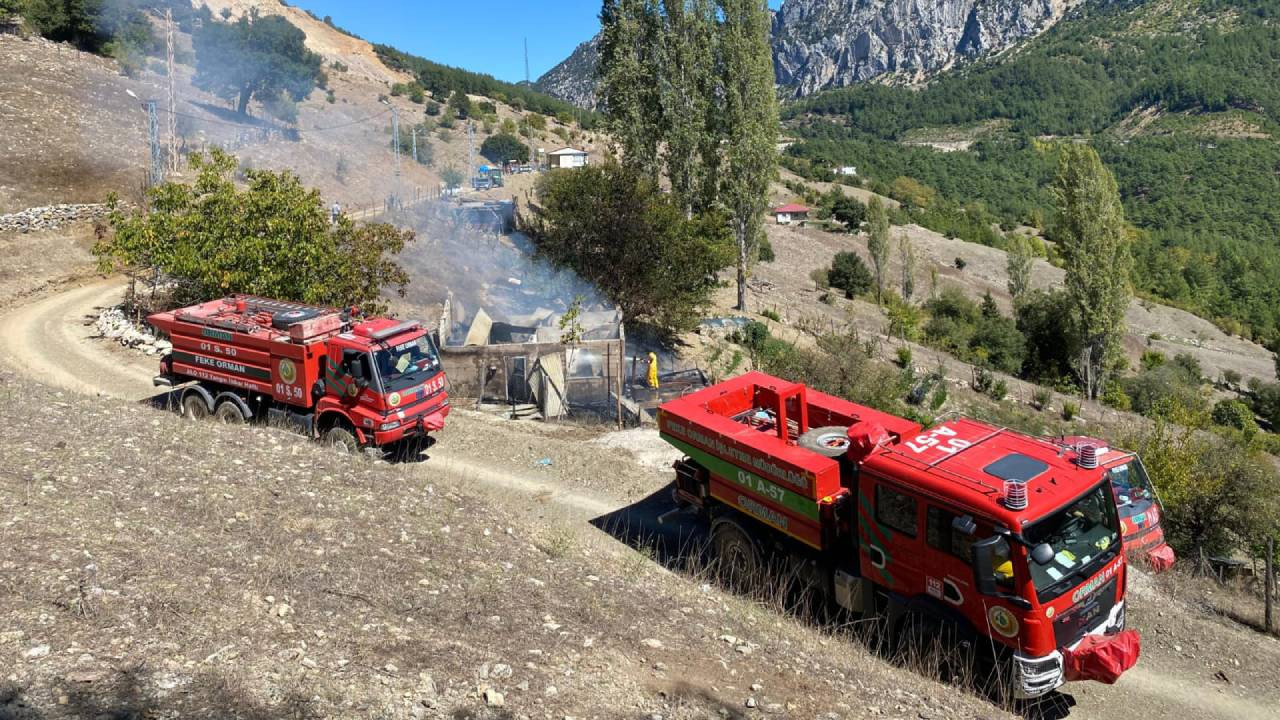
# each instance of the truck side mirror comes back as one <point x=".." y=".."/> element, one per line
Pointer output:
<point x="984" y="567"/>
<point x="1042" y="554"/>
<point x="964" y="525"/>
<point x="360" y="371"/>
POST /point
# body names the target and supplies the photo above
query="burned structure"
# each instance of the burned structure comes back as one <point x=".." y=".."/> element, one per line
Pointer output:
<point x="542" y="364"/>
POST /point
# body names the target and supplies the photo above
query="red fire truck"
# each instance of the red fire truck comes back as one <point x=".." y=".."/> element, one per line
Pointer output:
<point x="963" y="527"/>
<point x="1136" y="499"/>
<point x="349" y="380"/>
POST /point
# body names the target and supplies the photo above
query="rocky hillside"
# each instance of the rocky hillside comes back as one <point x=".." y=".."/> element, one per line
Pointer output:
<point x="821" y="44"/>
<point x="574" y="79"/>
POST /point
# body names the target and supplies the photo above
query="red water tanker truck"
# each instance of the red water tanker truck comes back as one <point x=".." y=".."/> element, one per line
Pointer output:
<point x="960" y="530"/>
<point x="348" y="380"/>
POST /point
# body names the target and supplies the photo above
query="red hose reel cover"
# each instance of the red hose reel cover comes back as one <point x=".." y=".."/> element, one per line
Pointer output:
<point x="1103" y="658"/>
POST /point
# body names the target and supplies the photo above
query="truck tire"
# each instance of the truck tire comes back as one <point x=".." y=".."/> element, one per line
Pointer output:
<point x="194" y="407"/>
<point x="340" y="438"/>
<point x="737" y="558"/>
<point x="831" y="441"/>
<point x="230" y="413"/>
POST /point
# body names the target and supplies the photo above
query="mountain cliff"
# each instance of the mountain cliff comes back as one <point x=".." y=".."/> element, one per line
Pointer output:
<point x="574" y="79"/>
<point x="822" y="44"/>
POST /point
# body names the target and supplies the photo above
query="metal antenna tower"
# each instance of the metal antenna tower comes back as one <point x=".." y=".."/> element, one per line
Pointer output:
<point x="173" y="96"/>
<point x="153" y="137"/>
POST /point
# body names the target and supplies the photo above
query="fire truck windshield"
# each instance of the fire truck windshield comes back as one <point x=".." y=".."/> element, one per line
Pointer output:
<point x="1084" y="537"/>
<point x="1132" y="488"/>
<point x="403" y="365"/>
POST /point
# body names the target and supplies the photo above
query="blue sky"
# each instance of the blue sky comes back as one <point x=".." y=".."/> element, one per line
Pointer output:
<point x="482" y="35"/>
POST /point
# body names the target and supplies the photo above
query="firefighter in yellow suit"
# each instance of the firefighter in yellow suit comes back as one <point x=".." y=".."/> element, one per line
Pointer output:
<point x="653" y="371"/>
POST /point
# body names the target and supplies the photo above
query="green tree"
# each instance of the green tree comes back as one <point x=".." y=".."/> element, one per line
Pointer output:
<point x="687" y="95"/>
<point x="1045" y="320"/>
<point x="113" y="27"/>
<point x="1236" y="414"/>
<point x="616" y="229"/>
<point x="272" y="238"/>
<point x="629" y="65"/>
<point x="255" y="58"/>
<point x="907" y="256"/>
<point x="1095" y="246"/>
<point x="1019" y="265"/>
<point x="503" y="148"/>
<point x="878" y="241"/>
<point x="849" y="273"/>
<point x="460" y="104"/>
<point x="849" y="211"/>
<point x="451" y="177"/>
<point x="749" y="117"/>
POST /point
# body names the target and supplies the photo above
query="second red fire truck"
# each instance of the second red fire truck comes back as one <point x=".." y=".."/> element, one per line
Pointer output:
<point x="974" y="530"/>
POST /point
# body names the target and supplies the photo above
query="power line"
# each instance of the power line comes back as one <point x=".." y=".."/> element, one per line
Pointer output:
<point x="247" y="126"/>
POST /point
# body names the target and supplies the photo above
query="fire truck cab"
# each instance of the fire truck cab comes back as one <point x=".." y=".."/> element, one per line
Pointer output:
<point x="973" y="530"/>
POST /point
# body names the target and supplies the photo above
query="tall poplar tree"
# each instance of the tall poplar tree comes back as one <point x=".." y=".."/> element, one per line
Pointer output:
<point x="1095" y="245"/>
<point x="687" y="90"/>
<point x="878" y="241"/>
<point x="749" y="119"/>
<point x="1019" y="266"/>
<point x="630" y="61"/>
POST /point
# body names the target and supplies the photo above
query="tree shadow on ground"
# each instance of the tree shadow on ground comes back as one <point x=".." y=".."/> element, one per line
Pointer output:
<point x="123" y="696"/>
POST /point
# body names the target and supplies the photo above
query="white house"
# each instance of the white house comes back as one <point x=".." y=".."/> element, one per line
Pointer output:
<point x="567" y="158"/>
<point x="788" y="214"/>
<point x="847" y="170"/>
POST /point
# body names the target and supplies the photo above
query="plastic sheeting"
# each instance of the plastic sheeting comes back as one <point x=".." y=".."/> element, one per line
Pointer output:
<point x="1161" y="558"/>
<point x="1103" y="658"/>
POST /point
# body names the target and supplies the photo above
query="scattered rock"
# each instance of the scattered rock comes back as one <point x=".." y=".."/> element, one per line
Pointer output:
<point x="51" y="217"/>
<point x="493" y="698"/>
<point x="36" y="652"/>
<point x="651" y="643"/>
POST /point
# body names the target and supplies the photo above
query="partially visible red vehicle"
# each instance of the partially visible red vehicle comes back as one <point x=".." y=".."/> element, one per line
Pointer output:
<point x="1136" y="501"/>
<point x="349" y="380"/>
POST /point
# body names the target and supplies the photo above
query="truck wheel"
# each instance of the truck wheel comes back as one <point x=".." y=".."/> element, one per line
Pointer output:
<point x="738" y="562"/>
<point x="831" y="441"/>
<point x="193" y="407"/>
<point x="229" y="413"/>
<point x="341" y="439"/>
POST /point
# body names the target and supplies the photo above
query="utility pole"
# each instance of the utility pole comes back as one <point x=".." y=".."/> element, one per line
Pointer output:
<point x="173" y="95"/>
<point x="471" y="150"/>
<point x="395" y="144"/>
<point x="533" y="153"/>
<point x="153" y="138"/>
<point x="415" y="144"/>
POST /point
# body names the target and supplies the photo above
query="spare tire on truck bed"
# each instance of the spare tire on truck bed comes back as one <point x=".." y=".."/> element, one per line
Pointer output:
<point x="831" y="441"/>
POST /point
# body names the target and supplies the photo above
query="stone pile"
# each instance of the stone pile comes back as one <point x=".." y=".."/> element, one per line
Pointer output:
<point x="51" y="217"/>
<point x="113" y="324"/>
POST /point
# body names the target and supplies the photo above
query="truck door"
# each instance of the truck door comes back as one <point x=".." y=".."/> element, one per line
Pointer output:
<point x="891" y="547"/>
<point x="950" y="536"/>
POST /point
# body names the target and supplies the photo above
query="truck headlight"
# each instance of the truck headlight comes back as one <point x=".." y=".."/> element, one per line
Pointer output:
<point x="389" y="426"/>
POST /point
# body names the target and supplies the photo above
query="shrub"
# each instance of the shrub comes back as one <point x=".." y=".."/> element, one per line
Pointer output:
<point x="1231" y="378"/>
<point x="1234" y="414"/>
<point x="771" y="314"/>
<point x="849" y="273"/>
<point x="904" y="356"/>
<point x="960" y="263"/>
<point x="752" y="336"/>
<point x="999" y="390"/>
<point x="433" y="108"/>
<point x="1040" y="398"/>
<point x="1114" y="396"/>
<point x="766" y="250"/>
<point x="330" y="98"/>
<point x="1152" y="359"/>
<point x="536" y="121"/>
<point x="1070" y="409"/>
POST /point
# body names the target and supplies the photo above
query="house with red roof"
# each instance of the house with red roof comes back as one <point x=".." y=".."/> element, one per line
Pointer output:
<point x="791" y="213"/>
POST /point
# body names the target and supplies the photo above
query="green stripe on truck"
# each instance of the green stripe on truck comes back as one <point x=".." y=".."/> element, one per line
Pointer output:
<point x="757" y="485"/>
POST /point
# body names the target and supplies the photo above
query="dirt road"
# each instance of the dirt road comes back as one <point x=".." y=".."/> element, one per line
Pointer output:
<point x="47" y="339"/>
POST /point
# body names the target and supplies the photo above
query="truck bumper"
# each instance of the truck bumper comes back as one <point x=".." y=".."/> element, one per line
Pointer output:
<point x="420" y="426"/>
<point x="1035" y="676"/>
